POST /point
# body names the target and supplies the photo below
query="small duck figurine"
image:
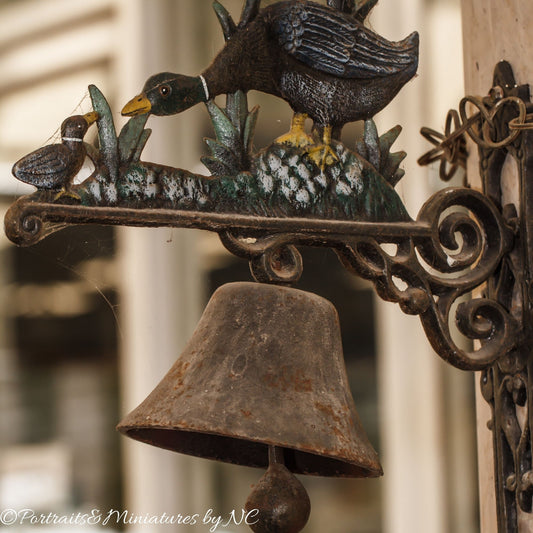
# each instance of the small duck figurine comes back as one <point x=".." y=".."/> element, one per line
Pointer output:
<point x="321" y="59"/>
<point x="56" y="165"/>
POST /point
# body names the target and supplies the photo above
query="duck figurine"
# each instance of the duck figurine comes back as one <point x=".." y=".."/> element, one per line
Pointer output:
<point x="321" y="59"/>
<point x="56" y="165"/>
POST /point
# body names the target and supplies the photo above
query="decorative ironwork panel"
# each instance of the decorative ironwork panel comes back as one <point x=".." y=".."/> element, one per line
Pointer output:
<point x="501" y="129"/>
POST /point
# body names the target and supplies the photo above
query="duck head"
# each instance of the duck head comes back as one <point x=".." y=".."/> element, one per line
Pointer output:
<point x="167" y="94"/>
<point x="76" y="127"/>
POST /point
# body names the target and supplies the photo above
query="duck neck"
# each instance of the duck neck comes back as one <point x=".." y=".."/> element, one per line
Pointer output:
<point x="205" y="94"/>
<point x="72" y="143"/>
<point x="246" y="62"/>
<point x="214" y="83"/>
<point x="194" y="90"/>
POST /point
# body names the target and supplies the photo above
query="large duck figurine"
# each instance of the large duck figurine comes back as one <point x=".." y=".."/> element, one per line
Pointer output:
<point x="321" y="59"/>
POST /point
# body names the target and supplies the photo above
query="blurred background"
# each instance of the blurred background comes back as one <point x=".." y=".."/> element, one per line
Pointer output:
<point x="92" y="318"/>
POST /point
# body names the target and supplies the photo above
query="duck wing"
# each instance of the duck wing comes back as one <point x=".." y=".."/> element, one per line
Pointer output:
<point x="46" y="167"/>
<point x="336" y="43"/>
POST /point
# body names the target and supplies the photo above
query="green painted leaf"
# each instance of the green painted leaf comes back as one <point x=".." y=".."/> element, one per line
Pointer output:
<point x="400" y="173"/>
<point x="371" y="140"/>
<point x="360" y="148"/>
<point x="225" y="131"/>
<point x="237" y="110"/>
<point x="223" y="154"/>
<point x="391" y="171"/>
<point x="396" y="159"/>
<point x="216" y="167"/>
<point x="145" y="135"/>
<point x="106" y="131"/>
<point x="228" y="26"/>
<point x="390" y="162"/>
<point x="249" y="129"/>
<point x="249" y="12"/>
<point x="130" y="136"/>
<point x="388" y="139"/>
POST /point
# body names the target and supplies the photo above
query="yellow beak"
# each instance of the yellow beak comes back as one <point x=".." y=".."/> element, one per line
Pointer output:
<point x="91" y="117"/>
<point x="137" y="106"/>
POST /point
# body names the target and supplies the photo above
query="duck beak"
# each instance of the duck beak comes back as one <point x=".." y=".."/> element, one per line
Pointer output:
<point x="91" y="117"/>
<point x="137" y="106"/>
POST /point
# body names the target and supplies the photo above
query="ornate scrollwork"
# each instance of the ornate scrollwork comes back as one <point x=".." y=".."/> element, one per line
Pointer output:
<point x="25" y="224"/>
<point x="272" y="259"/>
<point x="501" y="128"/>
<point x="456" y="243"/>
<point x="455" y="269"/>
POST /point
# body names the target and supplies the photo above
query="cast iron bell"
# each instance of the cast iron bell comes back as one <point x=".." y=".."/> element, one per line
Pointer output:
<point x="264" y="368"/>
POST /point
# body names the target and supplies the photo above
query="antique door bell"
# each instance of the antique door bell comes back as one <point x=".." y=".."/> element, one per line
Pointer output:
<point x="262" y="381"/>
<point x="263" y="373"/>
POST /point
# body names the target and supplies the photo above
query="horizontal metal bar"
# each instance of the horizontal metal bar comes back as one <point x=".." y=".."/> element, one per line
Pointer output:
<point x="57" y="213"/>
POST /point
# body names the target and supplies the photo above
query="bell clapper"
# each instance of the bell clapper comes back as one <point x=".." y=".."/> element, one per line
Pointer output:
<point x="281" y="501"/>
<point x="275" y="455"/>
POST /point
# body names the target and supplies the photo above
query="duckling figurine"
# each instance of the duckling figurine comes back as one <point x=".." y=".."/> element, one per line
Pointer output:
<point x="56" y="165"/>
<point x="321" y="59"/>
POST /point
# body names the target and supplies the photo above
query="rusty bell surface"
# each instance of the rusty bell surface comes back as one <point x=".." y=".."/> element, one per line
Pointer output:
<point x="264" y="367"/>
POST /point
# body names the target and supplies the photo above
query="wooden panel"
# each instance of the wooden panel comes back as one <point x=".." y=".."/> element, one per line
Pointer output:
<point x="495" y="30"/>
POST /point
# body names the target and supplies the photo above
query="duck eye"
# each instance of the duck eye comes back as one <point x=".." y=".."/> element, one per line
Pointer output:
<point x="164" y="90"/>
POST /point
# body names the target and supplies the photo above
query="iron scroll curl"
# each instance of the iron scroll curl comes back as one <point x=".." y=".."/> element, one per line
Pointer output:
<point x="456" y="243"/>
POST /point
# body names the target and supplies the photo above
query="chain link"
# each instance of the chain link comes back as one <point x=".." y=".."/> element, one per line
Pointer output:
<point x="481" y="126"/>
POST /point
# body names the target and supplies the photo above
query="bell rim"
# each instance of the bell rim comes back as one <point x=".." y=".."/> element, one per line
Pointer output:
<point x="353" y="467"/>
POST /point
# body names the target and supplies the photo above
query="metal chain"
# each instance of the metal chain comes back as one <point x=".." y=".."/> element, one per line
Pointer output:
<point x="450" y="147"/>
